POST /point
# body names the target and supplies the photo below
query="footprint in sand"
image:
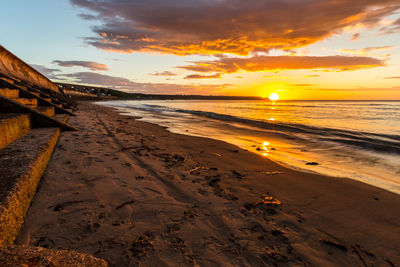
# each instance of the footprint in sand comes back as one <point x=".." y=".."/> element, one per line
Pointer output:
<point x="139" y="194"/>
<point x="120" y="182"/>
<point x="44" y="242"/>
<point x="153" y="191"/>
<point x="73" y="167"/>
<point x="82" y="152"/>
<point x="89" y="161"/>
<point x="127" y="164"/>
<point x="139" y="249"/>
<point x="190" y="215"/>
<point x="63" y="205"/>
<point x="110" y="170"/>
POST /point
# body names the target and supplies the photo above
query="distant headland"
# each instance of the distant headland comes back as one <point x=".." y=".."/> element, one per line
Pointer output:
<point x="102" y="91"/>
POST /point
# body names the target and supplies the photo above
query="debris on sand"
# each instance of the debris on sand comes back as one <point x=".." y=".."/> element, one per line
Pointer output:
<point x="333" y="244"/>
<point x="197" y="168"/>
<point x="238" y="175"/>
<point x="271" y="201"/>
<point x="272" y="173"/>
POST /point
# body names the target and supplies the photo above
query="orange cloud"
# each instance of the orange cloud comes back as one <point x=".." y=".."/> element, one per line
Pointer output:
<point x="368" y="51"/>
<point x="184" y="27"/>
<point x="225" y="65"/>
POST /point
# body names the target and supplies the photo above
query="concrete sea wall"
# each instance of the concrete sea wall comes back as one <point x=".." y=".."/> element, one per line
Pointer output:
<point x="12" y="66"/>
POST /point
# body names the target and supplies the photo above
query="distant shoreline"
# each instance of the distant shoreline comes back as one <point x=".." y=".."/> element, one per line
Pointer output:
<point x="103" y="91"/>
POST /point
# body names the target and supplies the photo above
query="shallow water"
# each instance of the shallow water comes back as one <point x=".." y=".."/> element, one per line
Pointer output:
<point x="355" y="139"/>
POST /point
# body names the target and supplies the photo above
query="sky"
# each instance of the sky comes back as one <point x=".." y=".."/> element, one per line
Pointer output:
<point x="299" y="49"/>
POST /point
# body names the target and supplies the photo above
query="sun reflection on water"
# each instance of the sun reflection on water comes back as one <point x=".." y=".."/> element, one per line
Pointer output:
<point x="265" y="148"/>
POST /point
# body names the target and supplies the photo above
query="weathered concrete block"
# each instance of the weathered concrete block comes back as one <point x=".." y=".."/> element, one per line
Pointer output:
<point x="21" y="165"/>
<point x="31" y="102"/>
<point x="37" y="256"/>
<point x="12" y="127"/>
<point x="49" y="111"/>
<point x="11" y="93"/>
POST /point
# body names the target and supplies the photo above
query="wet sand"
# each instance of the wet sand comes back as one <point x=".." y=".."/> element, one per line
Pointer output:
<point x="133" y="193"/>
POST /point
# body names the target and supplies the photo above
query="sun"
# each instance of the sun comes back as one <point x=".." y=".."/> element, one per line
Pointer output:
<point x="273" y="97"/>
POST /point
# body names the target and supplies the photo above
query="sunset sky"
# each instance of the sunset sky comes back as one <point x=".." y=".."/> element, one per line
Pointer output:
<point x="300" y="49"/>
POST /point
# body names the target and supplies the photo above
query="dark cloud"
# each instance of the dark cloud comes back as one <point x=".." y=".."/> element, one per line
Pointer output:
<point x="100" y="79"/>
<point x="85" y="64"/>
<point x="127" y="85"/>
<point x="355" y="37"/>
<point x="49" y="73"/>
<point x="185" y="27"/>
<point x="197" y="76"/>
<point x="88" y="16"/>
<point x="272" y="63"/>
<point x="164" y="73"/>
<point x="123" y="84"/>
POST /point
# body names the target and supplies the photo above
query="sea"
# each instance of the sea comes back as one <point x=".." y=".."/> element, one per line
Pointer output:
<point x="344" y="139"/>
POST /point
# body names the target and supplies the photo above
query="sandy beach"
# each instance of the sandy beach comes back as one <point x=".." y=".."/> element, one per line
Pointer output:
<point x="132" y="193"/>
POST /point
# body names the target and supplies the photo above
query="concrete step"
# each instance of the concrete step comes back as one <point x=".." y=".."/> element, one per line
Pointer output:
<point x="31" y="102"/>
<point x="39" y="119"/>
<point x="11" y="93"/>
<point x="23" y="86"/>
<point x="7" y="79"/>
<point x="13" y="126"/>
<point x="22" y="163"/>
<point x="62" y="104"/>
<point x="61" y="117"/>
<point x="35" y="93"/>
<point x="44" y="101"/>
<point x="32" y="90"/>
<point x="49" y="111"/>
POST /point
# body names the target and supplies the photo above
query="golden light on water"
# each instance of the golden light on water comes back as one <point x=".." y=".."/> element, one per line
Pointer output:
<point x="265" y="148"/>
<point x="273" y="97"/>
